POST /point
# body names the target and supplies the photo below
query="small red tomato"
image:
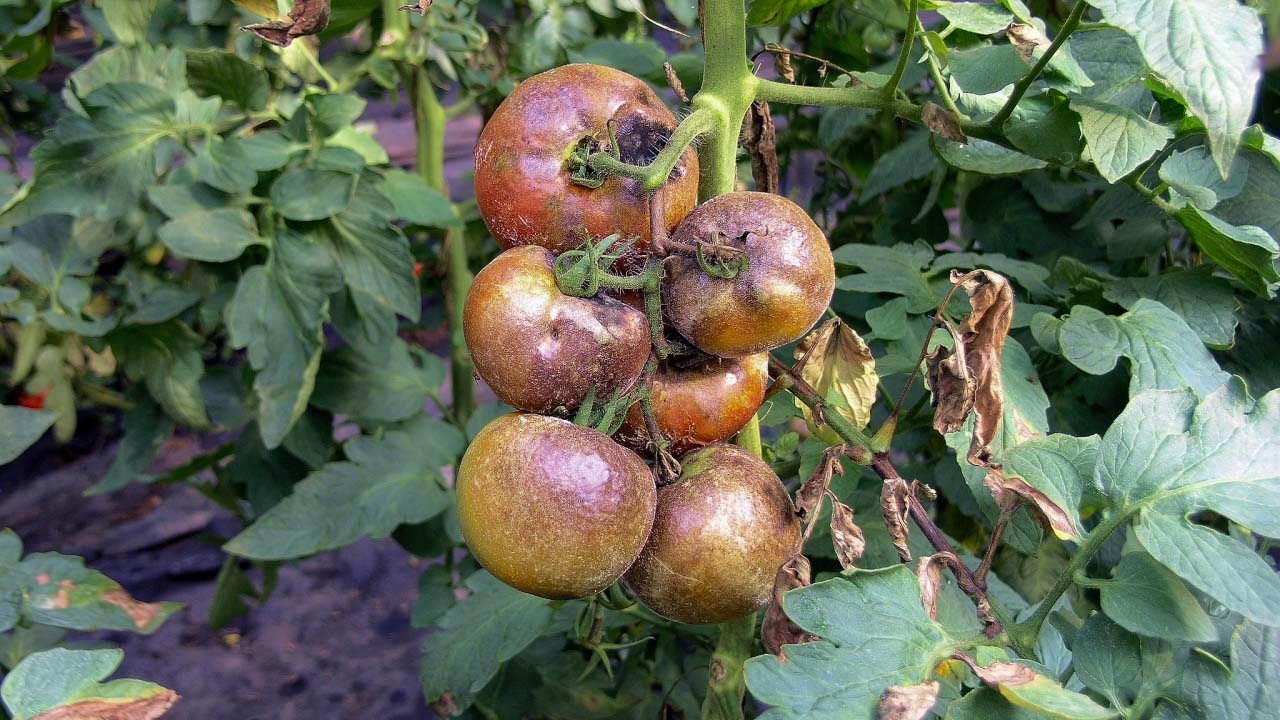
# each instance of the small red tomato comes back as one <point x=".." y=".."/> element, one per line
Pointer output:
<point x="417" y="270"/>
<point x="35" y="401"/>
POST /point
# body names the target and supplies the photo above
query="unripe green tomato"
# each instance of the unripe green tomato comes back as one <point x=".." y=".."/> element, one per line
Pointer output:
<point x="721" y="532"/>
<point x="551" y="508"/>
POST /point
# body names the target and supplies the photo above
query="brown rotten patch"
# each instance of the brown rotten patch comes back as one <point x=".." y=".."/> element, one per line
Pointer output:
<point x="908" y="702"/>
<point x="146" y="708"/>
<point x="308" y="17"/>
<point x="943" y="122"/>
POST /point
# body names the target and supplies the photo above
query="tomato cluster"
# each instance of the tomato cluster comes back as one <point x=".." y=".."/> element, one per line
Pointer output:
<point x="562" y="510"/>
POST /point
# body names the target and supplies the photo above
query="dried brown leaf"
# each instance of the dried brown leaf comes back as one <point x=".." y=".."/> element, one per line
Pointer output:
<point x="951" y="381"/>
<point x="1003" y="673"/>
<point x="445" y="707"/>
<point x="778" y="629"/>
<point x="674" y="81"/>
<point x="983" y="334"/>
<point x="1026" y="40"/>
<point x="896" y="509"/>
<point x="1007" y="489"/>
<point x="846" y="536"/>
<point x="908" y="702"/>
<point x="145" y="708"/>
<point x="782" y="65"/>
<point x="308" y="17"/>
<point x="760" y="140"/>
<point x="839" y="362"/>
<point x="929" y="575"/>
<point x="943" y="122"/>
<point x="809" y="496"/>
<point x="421" y="7"/>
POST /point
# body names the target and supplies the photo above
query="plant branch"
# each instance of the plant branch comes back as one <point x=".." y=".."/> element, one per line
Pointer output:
<point x="913" y="20"/>
<point x="993" y="542"/>
<point x="859" y="444"/>
<point x="940" y="84"/>
<point x="997" y="121"/>
<point x="653" y="175"/>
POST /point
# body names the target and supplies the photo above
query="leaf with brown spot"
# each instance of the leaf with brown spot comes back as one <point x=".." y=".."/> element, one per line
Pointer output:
<point x="929" y="575"/>
<point x="778" y="629"/>
<point x="146" y="708"/>
<point x="143" y="614"/>
<point x="943" y="122"/>
<point x="896" y="509"/>
<point x="1026" y="40"/>
<point x="760" y="140"/>
<point x="846" y="536"/>
<point x="1003" y="673"/>
<point x="1007" y="489"/>
<point x="838" y="365"/>
<point x="983" y="335"/>
<point x="59" y="590"/>
<point x="951" y="382"/>
<point x="809" y="496"/>
<point x="445" y="707"/>
<point x="908" y="702"/>
<point x="308" y="17"/>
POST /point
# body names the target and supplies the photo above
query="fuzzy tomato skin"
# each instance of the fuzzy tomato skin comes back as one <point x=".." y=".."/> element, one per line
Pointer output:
<point x="721" y="532"/>
<point x="784" y="290"/>
<point x="551" y="508"/>
<point x="699" y="405"/>
<point x="539" y="349"/>
<point x="522" y="177"/>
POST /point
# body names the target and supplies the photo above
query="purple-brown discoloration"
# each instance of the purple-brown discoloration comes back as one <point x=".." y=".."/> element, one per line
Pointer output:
<point x="699" y="405"/>
<point x="522" y="179"/>
<point x="551" y="508"/>
<point x="540" y="349"/>
<point x="721" y="533"/>
<point x="784" y="290"/>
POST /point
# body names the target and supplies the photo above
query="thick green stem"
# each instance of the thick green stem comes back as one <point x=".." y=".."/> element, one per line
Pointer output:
<point x="429" y="123"/>
<point x="891" y="87"/>
<point x="656" y="173"/>
<point x="726" y="684"/>
<point x="1068" y="26"/>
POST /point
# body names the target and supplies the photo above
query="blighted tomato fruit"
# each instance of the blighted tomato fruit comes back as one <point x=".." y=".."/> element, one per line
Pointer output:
<point x="784" y="289"/>
<point x="722" y="531"/>
<point x="551" y="508"/>
<point x="522" y="181"/>
<point x="540" y="349"/>
<point x="700" y="403"/>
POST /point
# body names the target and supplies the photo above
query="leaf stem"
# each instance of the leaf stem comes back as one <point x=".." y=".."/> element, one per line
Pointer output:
<point x="997" y="121"/>
<point x="858" y="442"/>
<point x="890" y="89"/>
<point x="653" y="175"/>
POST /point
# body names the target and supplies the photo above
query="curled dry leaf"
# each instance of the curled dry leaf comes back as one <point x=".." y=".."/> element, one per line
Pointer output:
<point x="143" y="708"/>
<point x="846" y="536"/>
<point x="782" y="65"/>
<point x="839" y="366"/>
<point x="778" y="629"/>
<point x="674" y="81"/>
<point x="1008" y="489"/>
<point x="943" y="122"/>
<point x="929" y="575"/>
<point x="951" y="381"/>
<point x="1027" y="39"/>
<point x="983" y="335"/>
<point x="421" y="7"/>
<point x="809" y="496"/>
<point x="896" y="509"/>
<point x="908" y="702"/>
<point x="760" y="140"/>
<point x="308" y="17"/>
<point x="1002" y="673"/>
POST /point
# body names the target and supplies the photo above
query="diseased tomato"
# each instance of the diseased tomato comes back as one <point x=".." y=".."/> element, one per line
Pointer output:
<point x="540" y="349"/>
<point x="783" y="291"/>
<point x="721" y="532"/>
<point x="551" y="508"/>
<point x="700" y="404"/>
<point x="522" y="179"/>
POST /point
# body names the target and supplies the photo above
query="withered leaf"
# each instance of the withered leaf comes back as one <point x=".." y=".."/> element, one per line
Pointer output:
<point x="421" y="7"/>
<point x="1007" y="488"/>
<point x="144" y="708"/>
<point x="1027" y="39"/>
<point x="929" y="575"/>
<point x="1003" y="673"/>
<point x="674" y="81"/>
<point x="809" y="496"/>
<point x="983" y="334"/>
<point x="760" y="140"/>
<point x="778" y="629"/>
<point x="308" y="17"/>
<point x="896" y="509"/>
<point x="951" y="381"/>
<point x="943" y="122"/>
<point x="445" y="707"/>
<point x="908" y="702"/>
<point x="840" y="365"/>
<point x="782" y="65"/>
<point x="846" y="536"/>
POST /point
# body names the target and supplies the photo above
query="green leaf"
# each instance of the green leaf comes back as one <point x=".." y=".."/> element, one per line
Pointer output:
<point x="417" y="202"/>
<point x="58" y="680"/>
<point x="382" y="484"/>
<point x="361" y="141"/>
<point x="1118" y="138"/>
<point x="984" y="157"/>
<point x="1115" y="64"/>
<point x="1207" y="50"/>
<point x="875" y="634"/>
<point x="278" y="314"/>
<point x="987" y="69"/>
<point x="1258" y="202"/>
<point x="979" y="18"/>
<point x="331" y="113"/>
<point x="267" y="150"/>
<point x="1030" y="275"/>
<point x="146" y="429"/>
<point x="219" y="235"/>
<point x="308" y="194"/>
<point x="1204" y="301"/>
<point x="1147" y="599"/>
<point x="1251" y="691"/>
<point x="225" y="74"/>
<point x="987" y="704"/>
<point x="1046" y="127"/>
<point x="1163" y="351"/>
<point x="224" y="164"/>
<point x="642" y="57"/>
<point x="778" y="12"/>
<point x="1193" y="173"/>
<point x="167" y="356"/>
<point x="388" y="388"/>
<point x="128" y="19"/>
<point x="895" y="270"/>
<point x="1047" y="696"/>
<point x="1060" y="466"/>
<point x="476" y="636"/>
<point x="1246" y="251"/>
<point x="1108" y="659"/>
<point x="20" y="428"/>
<point x="909" y="160"/>
<point x="1167" y="456"/>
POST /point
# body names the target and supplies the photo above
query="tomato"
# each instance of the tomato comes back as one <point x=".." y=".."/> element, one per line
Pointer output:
<point x="522" y="178"/>
<point x="540" y="349"/>
<point x="700" y="404"/>
<point x="783" y="291"/>
<point x="551" y="508"/>
<point x="721" y="532"/>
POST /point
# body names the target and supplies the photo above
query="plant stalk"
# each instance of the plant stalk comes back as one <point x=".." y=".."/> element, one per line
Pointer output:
<point x="997" y="121"/>
<point x="913" y="14"/>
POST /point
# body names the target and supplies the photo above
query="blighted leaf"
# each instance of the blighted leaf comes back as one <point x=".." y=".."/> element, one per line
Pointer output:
<point x="1052" y="473"/>
<point x="1023" y="686"/>
<point x="896" y="508"/>
<point x="308" y="17"/>
<point x="1026" y="39"/>
<point x="839" y="363"/>
<point x="760" y="140"/>
<point x="63" y="684"/>
<point x="908" y="702"/>
<point x="1006" y="489"/>
<point x="929" y="575"/>
<point x="809" y="496"/>
<point x="778" y="629"/>
<point x="983" y="334"/>
<point x="943" y="122"/>
<point x="952" y="385"/>
<point x="846" y="536"/>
